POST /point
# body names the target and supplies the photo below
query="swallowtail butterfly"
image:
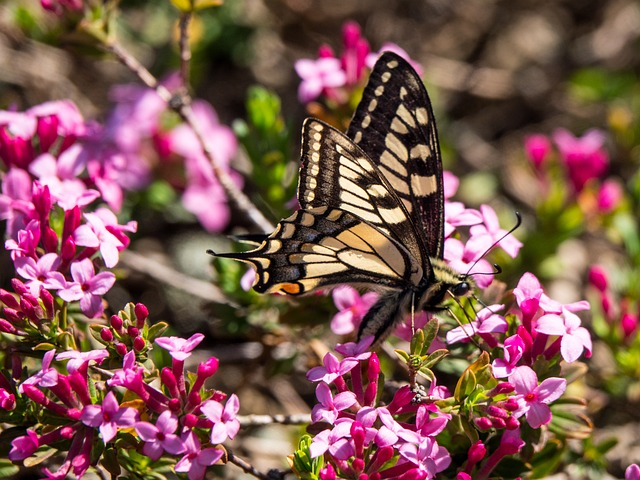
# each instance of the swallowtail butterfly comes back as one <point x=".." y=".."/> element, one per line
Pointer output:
<point x="372" y="207"/>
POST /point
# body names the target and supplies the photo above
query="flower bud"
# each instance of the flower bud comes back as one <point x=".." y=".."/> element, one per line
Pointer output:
<point x="106" y="334"/>
<point x="142" y="313"/>
<point x="512" y="423"/>
<point x="483" y="423"/>
<point x="116" y="323"/>
<point x="132" y="331"/>
<point x="8" y="299"/>
<point x="598" y="277"/>
<point x="477" y="452"/>
<point x="139" y="343"/>
<point x="121" y="349"/>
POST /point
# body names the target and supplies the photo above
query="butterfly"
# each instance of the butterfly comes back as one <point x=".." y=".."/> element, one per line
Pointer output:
<point x="371" y="207"/>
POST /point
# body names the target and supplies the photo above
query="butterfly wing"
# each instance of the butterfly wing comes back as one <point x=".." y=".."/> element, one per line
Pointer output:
<point x="335" y="172"/>
<point x="323" y="247"/>
<point x="395" y="126"/>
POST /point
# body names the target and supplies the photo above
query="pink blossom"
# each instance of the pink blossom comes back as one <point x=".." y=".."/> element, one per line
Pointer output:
<point x="108" y="417"/>
<point x="318" y="76"/>
<point x="427" y="455"/>
<point x="336" y="441"/>
<point x="632" y="472"/>
<point x="88" y="287"/>
<point x="196" y="460"/>
<point x="225" y="423"/>
<point x="352" y="308"/>
<point x="356" y="49"/>
<point x="95" y="234"/>
<point x="533" y="399"/>
<point x="575" y="338"/>
<point x="16" y="206"/>
<point x="16" y="133"/>
<point x="40" y="273"/>
<point x="358" y="351"/>
<point x="79" y="360"/>
<point x="457" y="215"/>
<point x="46" y="377"/>
<point x="598" y="277"/>
<point x="514" y="348"/>
<point x="610" y="195"/>
<point x="332" y="369"/>
<point x="23" y="447"/>
<point x="160" y="437"/>
<point x="60" y="7"/>
<point x="450" y="184"/>
<point x="329" y="407"/>
<point x="486" y="324"/>
<point x="180" y="348"/>
<point x="537" y="148"/>
<point x="462" y="258"/>
<point x="59" y="122"/>
<point x="583" y="157"/>
<point x="490" y="232"/>
<point x="28" y="240"/>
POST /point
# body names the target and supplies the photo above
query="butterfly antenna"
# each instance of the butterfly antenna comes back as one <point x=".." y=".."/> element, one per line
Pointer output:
<point x="466" y="314"/>
<point x="498" y="269"/>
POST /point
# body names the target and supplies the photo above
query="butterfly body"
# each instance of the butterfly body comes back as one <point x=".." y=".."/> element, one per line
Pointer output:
<point x="372" y="207"/>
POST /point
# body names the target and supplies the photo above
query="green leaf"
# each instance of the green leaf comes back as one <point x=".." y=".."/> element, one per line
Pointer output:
<point x="435" y="357"/>
<point x="156" y="330"/>
<point x="8" y="469"/>
<point x="430" y="333"/>
<point x="417" y="342"/>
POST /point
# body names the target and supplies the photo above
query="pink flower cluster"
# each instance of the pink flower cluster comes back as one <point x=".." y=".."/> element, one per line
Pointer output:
<point x="178" y="416"/>
<point x="360" y="438"/>
<point x="334" y="77"/>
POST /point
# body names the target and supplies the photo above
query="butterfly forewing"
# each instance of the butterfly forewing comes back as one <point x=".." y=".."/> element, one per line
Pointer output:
<point x="395" y="126"/>
<point x="321" y="247"/>
<point x="335" y="172"/>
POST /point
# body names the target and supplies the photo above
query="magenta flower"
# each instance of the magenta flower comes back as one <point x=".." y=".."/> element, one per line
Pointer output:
<point x="336" y="441"/>
<point x="94" y="234"/>
<point x="196" y="460"/>
<point x="632" y="472"/>
<point x="486" y="324"/>
<point x="318" y="76"/>
<point x="225" y="423"/>
<point x="392" y="47"/>
<point x="332" y="369"/>
<point x="47" y="377"/>
<point x="514" y="348"/>
<point x="329" y="407"/>
<point x="28" y="240"/>
<point x="457" y="215"/>
<point x="88" y="287"/>
<point x="130" y="376"/>
<point x="16" y="133"/>
<point x="359" y="351"/>
<point x="533" y="399"/>
<point x="160" y="437"/>
<point x="575" y="338"/>
<point x="79" y="360"/>
<point x="40" y="273"/>
<point x="352" y="308"/>
<point x="427" y="455"/>
<point x="610" y="195"/>
<point x="23" y="447"/>
<point x="180" y="348"/>
<point x="60" y="123"/>
<point x="584" y="157"/>
<point x="450" y="184"/>
<point x="598" y="277"/>
<point x="16" y="206"/>
<point x="108" y="417"/>
<point x="355" y="53"/>
<point x="537" y="148"/>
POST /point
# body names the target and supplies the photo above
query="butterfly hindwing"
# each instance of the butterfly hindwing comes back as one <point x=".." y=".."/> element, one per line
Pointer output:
<point x="395" y="126"/>
<point x="321" y="247"/>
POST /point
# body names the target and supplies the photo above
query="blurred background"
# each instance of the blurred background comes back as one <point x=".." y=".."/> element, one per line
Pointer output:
<point x="496" y="71"/>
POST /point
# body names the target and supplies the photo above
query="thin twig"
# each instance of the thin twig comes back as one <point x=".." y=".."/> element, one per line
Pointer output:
<point x="256" y="420"/>
<point x="185" y="48"/>
<point x="247" y="467"/>
<point x="182" y="105"/>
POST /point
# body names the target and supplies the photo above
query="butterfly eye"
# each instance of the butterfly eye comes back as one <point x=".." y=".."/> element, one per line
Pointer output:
<point x="460" y="289"/>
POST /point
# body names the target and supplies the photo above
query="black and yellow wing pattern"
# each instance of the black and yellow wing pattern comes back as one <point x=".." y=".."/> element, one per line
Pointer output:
<point x="372" y="205"/>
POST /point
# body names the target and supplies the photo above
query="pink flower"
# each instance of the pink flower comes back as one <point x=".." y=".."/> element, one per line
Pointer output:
<point x="16" y="133"/>
<point x="632" y="472"/>
<point x="462" y="258"/>
<point x="392" y="47"/>
<point x="329" y="407"/>
<point x="332" y="369"/>
<point x="108" y="417"/>
<point x="490" y="232"/>
<point x="584" y="157"/>
<point x="533" y="399"/>
<point x="16" y="206"/>
<point x="450" y="184"/>
<point x="60" y="7"/>
<point x="352" y="308"/>
<point x="598" y="277"/>
<point x="609" y="195"/>
<point x="180" y="348"/>
<point x="575" y="338"/>
<point x="196" y="460"/>
<point x="225" y="423"/>
<point x="88" y="287"/>
<point x="23" y="447"/>
<point x="160" y="437"/>
<point x="514" y="348"/>
<point x="40" y="273"/>
<point x="46" y="377"/>
<point x="457" y="215"/>
<point x="427" y="455"/>
<point x="318" y="76"/>
<point x="537" y="147"/>
<point x="60" y="123"/>
<point x="79" y="360"/>
<point x="95" y="234"/>
<point x="355" y="53"/>
<point x="486" y="324"/>
<point x="336" y="441"/>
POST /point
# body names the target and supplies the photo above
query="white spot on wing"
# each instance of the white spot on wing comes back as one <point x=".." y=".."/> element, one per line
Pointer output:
<point x="423" y="185"/>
